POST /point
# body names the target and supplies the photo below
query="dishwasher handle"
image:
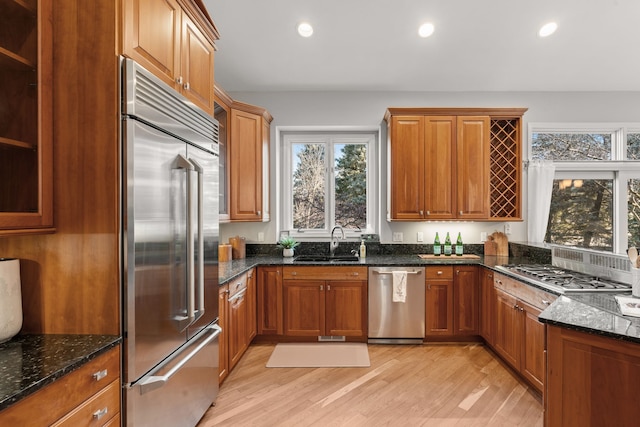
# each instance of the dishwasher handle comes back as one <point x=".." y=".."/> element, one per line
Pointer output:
<point x="391" y="272"/>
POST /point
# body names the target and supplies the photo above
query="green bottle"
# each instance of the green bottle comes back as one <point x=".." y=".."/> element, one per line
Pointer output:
<point x="437" y="247"/>
<point x="459" y="249"/>
<point x="447" y="245"/>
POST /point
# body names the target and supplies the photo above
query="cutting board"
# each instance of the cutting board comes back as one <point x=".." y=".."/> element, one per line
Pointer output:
<point x="496" y="244"/>
<point x="463" y="256"/>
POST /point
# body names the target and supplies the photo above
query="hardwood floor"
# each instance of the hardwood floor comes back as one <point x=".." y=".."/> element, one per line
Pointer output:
<point x="428" y="385"/>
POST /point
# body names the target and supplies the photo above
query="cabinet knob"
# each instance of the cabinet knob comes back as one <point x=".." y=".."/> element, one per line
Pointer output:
<point x="546" y="302"/>
<point x="490" y="276"/>
<point x="421" y="213"/>
<point x="460" y="212"/>
<point x="100" y="374"/>
<point x="457" y="272"/>
<point x="321" y="287"/>
<point x="179" y="80"/>
<point x="328" y="287"/>
<point x="293" y="273"/>
<point x="355" y="273"/>
<point x="428" y="213"/>
<point x="439" y="272"/>
<point x="187" y="86"/>
<point x="259" y="213"/>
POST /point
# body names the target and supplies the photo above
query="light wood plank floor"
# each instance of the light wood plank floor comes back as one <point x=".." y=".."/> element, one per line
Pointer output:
<point x="428" y="385"/>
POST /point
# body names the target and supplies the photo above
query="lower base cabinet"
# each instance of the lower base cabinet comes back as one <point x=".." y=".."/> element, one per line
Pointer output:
<point x="223" y="296"/>
<point x="88" y="396"/>
<point x="592" y="380"/>
<point x="518" y="336"/>
<point x="321" y="301"/>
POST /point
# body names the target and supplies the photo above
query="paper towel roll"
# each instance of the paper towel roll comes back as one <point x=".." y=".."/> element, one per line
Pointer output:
<point x="10" y="298"/>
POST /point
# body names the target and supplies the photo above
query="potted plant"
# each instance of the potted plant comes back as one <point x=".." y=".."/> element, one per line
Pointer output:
<point x="287" y="243"/>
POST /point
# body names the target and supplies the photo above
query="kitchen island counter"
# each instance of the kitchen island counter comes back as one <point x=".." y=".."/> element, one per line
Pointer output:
<point x="30" y="362"/>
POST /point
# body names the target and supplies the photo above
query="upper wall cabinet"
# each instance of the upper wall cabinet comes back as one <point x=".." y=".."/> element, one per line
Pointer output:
<point x="174" y="41"/>
<point x="244" y="148"/>
<point x="26" y="159"/>
<point x="454" y="163"/>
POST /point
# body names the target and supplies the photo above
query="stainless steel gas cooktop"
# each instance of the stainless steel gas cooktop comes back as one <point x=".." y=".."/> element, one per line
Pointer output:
<point x="563" y="280"/>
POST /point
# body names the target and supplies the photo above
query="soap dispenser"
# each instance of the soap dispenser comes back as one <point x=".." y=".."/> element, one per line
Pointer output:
<point x="363" y="250"/>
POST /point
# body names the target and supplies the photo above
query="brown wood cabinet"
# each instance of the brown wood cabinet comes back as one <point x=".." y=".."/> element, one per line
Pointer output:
<point x="244" y="159"/>
<point x="223" y="349"/>
<point x="592" y="380"/>
<point x="519" y="337"/>
<point x="237" y="321"/>
<point x="26" y="117"/>
<point x="252" y="307"/>
<point x="90" y="395"/>
<point x="452" y="299"/>
<point x="174" y="40"/>
<point x="322" y="301"/>
<point x="270" y="310"/>
<point x="439" y="301"/>
<point x="487" y="303"/>
<point x="454" y="163"/>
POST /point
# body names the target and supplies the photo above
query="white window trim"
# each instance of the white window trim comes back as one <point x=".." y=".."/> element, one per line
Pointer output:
<point x="617" y="169"/>
<point x="283" y="186"/>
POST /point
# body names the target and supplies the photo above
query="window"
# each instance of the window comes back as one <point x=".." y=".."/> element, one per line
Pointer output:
<point x="595" y="200"/>
<point x="327" y="180"/>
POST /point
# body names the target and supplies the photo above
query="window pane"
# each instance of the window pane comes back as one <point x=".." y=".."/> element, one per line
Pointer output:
<point x="571" y="146"/>
<point x="581" y="214"/>
<point x="308" y="186"/>
<point x="633" y="146"/>
<point x="633" y="210"/>
<point x="351" y="185"/>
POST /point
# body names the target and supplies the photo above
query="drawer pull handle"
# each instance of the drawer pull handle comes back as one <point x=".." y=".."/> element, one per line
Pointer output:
<point x="439" y="273"/>
<point x="546" y="302"/>
<point x="100" y="413"/>
<point x="100" y="375"/>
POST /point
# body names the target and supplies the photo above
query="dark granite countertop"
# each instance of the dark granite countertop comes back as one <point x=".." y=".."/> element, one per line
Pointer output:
<point x="594" y="313"/>
<point x="30" y="362"/>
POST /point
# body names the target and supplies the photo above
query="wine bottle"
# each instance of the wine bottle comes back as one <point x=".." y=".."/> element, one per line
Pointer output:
<point x="437" y="247"/>
<point x="447" y="245"/>
<point x="459" y="248"/>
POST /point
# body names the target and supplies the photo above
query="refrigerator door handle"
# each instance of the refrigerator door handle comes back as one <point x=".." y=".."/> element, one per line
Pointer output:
<point x="153" y="382"/>
<point x="183" y="163"/>
<point x="200" y="304"/>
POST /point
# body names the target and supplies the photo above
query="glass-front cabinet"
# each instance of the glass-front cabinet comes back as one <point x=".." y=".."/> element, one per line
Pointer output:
<point x="26" y="169"/>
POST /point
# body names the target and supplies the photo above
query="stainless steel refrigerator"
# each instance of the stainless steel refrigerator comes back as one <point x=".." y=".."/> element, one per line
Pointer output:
<point x="170" y="258"/>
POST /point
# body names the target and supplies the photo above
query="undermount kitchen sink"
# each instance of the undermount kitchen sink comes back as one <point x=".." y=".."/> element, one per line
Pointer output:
<point x="326" y="258"/>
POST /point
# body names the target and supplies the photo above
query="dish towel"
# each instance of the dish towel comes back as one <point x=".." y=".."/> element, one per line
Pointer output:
<point x="399" y="286"/>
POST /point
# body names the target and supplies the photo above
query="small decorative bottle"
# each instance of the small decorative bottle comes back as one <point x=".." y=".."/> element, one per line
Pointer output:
<point x="447" y="245"/>
<point x="459" y="247"/>
<point x="363" y="249"/>
<point x="437" y="247"/>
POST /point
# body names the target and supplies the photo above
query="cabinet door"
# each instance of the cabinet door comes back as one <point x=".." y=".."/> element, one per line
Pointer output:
<point x="245" y="155"/>
<point x="346" y="308"/>
<point x="407" y="167"/>
<point x="252" y="323"/>
<point x="487" y="298"/>
<point x="466" y="300"/>
<point x="507" y="328"/>
<point x="197" y="66"/>
<point x="472" y="170"/>
<point x="439" y="165"/>
<point x="532" y="363"/>
<point x="223" y="370"/>
<point x="439" y="307"/>
<point x="237" y="328"/>
<point x="222" y="115"/>
<point x="270" y="301"/>
<point x="304" y="307"/>
<point x="26" y="130"/>
<point x="152" y="36"/>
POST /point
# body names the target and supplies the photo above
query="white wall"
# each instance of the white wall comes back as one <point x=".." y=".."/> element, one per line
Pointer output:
<point x="368" y="108"/>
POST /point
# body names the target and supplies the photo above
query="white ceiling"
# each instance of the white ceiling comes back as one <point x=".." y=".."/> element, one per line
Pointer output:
<point x="478" y="45"/>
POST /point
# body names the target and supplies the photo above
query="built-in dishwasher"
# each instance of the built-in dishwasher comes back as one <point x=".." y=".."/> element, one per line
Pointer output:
<point x="396" y="305"/>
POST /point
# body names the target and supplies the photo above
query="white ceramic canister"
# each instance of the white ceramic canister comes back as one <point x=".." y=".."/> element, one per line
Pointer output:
<point x="10" y="298"/>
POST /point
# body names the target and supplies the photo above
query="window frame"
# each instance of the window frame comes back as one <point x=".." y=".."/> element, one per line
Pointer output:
<point x="339" y="135"/>
<point x="619" y="168"/>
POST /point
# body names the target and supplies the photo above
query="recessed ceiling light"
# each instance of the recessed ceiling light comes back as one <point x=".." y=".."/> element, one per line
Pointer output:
<point x="548" y="29"/>
<point x="426" y="29"/>
<point x="305" y="29"/>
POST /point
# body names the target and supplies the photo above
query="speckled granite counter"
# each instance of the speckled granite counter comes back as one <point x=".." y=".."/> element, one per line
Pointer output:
<point x="594" y="313"/>
<point x="30" y="362"/>
<point x="231" y="269"/>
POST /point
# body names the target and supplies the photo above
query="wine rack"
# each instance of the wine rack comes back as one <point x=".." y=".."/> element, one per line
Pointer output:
<point x="504" y="192"/>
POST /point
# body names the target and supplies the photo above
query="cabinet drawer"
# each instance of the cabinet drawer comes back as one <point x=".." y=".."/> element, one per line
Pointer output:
<point x="439" y="272"/>
<point x="324" y="273"/>
<point x="59" y="398"/>
<point x="529" y="294"/>
<point x="97" y="411"/>
<point x="238" y="284"/>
